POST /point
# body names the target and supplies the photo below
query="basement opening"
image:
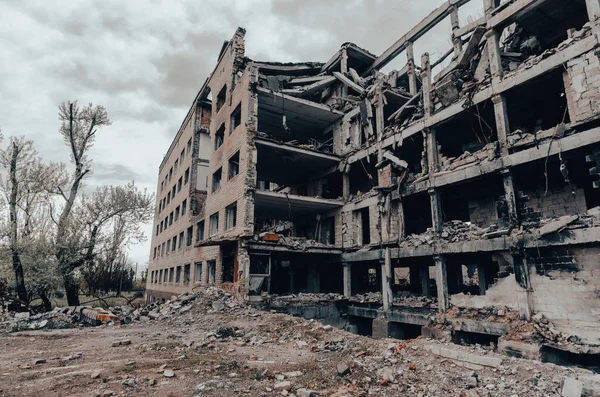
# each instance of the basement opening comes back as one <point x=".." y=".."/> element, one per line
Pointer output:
<point x="360" y="325"/>
<point x="567" y="358"/>
<point x="474" y="338"/>
<point x="403" y="330"/>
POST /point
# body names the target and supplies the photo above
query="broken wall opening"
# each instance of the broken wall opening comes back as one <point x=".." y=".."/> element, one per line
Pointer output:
<point x="469" y="132"/>
<point x="363" y="176"/>
<point x="413" y="152"/>
<point x="538" y="105"/>
<point x="366" y="277"/>
<point x="417" y="213"/>
<point x="473" y="201"/>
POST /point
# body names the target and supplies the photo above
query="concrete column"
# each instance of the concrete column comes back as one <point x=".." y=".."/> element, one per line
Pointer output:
<point x="347" y="269"/>
<point x="493" y="45"/>
<point x="344" y="69"/>
<point x="523" y="279"/>
<point x="593" y="9"/>
<point x="482" y="279"/>
<point x="380" y="328"/>
<point x="412" y="72"/>
<point x="511" y="199"/>
<point x="414" y="277"/>
<point x="379" y="116"/>
<point x="433" y="159"/>
<point x="345" y="185"/>
<point x="436" y="210"/>
<point x="426" y="81"/>
<point x="456" y="41"/>
<point x="441" y="280"/>
<point x="424" y="271"/>
<point x="502" y="124"/>
<point x="386" y="280"/>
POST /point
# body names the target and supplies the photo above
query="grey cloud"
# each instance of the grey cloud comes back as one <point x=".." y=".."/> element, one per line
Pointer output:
<point x="107" y="173"/>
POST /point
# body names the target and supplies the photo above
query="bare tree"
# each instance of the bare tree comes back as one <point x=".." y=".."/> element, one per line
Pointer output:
<point x="25" y="190"/>
<point x="78" y="128"/>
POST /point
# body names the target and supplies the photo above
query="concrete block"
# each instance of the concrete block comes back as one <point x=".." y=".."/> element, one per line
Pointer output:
<point x="572" y="388"/>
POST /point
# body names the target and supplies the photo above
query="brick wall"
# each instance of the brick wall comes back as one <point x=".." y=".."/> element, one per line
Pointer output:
<point x="582" y="86"/>
<point x="566" y="284"/>
<point x="558" y="202"/>
<point x="482" y="212"/>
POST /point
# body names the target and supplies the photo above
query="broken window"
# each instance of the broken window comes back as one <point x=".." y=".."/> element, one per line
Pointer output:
<point x="179" y="184"/>
<point x="202" y="178"/>
<point x="171" y="218"/>
<point x="160" y="276"/>
<point x="176" y="165"/>
<point x="198" y="272"/>
<point x="171" y="274"/>
<point x="166" y="222"/>
<point x="155" y="252"/>
<point x="230" y="216"/>
<point x="189" y="146"/>
<point x="186" y="176"/>
<point x="168" y="245"/>
<point x="236" y="118"/>
<point x="163" y="249"/>
<point x="200" y="231"/>
<point x="213" y="224"/>
<point x="190" y="234"/>
<point x="168" y="197"/>
<point x="183" y="207"/>
<point x="186" y="274"/>
<point x="161" y="226"/>
<point x="162" y="185"/>
<point x="180" y="240"/>
<point x="220" y="136"/>
<point x="170" y="173"/>
<point x="221" y="97"/>
<point x="233" y="167"/>
<point x="182" y="156"/>
<point x="212" y="271"/>
<point x="229" y="266"/>
<point x="365" y="222"/>
<point x="157" y="229"/>
<point x="177" y="213"/>
<point x="216" y="180"/>
<point x="173" y="192"/>
<point x="178" y="275"/>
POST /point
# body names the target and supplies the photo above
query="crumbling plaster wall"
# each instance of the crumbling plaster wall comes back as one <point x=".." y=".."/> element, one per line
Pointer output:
<point x="482" y="212"/>
<point x="503" y="293"/>
<point x="582" y="86"/>
<point x="566" y="284"/>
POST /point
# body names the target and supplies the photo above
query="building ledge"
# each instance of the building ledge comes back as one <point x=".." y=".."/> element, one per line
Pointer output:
<point x="275" y="205"/>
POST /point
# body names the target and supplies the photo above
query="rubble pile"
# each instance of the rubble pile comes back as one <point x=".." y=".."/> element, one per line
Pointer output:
<point x="453" y="231"/>
<point x="488" y="153"/>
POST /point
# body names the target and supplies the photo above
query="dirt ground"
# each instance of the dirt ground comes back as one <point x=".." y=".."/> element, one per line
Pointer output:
<point x="243" y="352"/>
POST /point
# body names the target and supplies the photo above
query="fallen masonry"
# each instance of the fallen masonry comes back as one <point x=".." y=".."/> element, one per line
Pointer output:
<point x="456" y="197"/>
<point x="241" y="350"/>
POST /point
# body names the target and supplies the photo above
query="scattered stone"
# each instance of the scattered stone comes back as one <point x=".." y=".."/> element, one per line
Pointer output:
<point x="39" y="361"/>
<point x="169" y="373"/>
<point x="343" y="369"/>
<point x="218" y="306"/>
<point x="306" y="393"/>
<point x="282" y="386"/>
<point x="96" y="374"/>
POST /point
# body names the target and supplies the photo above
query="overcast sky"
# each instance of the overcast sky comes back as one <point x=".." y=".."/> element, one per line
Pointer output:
<point x="146" y="60"/>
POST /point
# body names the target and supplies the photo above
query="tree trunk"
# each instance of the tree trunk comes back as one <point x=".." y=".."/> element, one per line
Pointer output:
<point x="46" y="300"/>
<point x="16" y="256"/>
<point x="71" y="289"/>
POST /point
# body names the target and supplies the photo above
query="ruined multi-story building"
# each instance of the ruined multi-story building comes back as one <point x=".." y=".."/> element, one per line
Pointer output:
<point x="470" y="180"/>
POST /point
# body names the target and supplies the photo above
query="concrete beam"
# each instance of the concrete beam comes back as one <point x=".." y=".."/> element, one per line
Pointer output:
<point x="416" y="32"/>
<point x="349" y="82"/>
<point x="296" y="149"/>
<point x="513" y="12"/>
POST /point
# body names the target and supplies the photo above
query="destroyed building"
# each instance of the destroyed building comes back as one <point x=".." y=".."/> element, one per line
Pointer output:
<point x="450" y="186"/>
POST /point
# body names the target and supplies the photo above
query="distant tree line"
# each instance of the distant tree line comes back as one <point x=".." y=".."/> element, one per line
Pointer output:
<point x="56" y="233"/>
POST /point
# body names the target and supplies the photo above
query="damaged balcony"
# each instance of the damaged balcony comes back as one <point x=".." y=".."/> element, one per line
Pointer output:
<point x="290" y="120"/>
